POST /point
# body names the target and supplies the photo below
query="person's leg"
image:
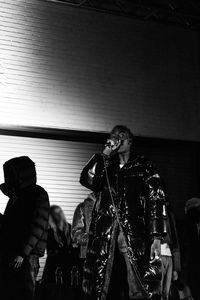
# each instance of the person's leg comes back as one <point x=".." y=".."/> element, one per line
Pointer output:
<point x="29" y="273"/>
<point x="167" y="269"/>
<point x="118" y="281"/>
<point x="6" y="283"/>
<point x="9" y="284"/>
<point x="194" y="282"/>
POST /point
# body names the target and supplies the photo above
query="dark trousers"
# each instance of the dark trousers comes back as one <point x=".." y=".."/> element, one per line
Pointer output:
<point x="20" y="283"/>
<point x="194" y="279"/>
<point x="118" y="288"/>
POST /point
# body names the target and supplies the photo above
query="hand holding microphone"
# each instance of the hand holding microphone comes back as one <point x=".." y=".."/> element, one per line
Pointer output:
<point x="111" y="146"/>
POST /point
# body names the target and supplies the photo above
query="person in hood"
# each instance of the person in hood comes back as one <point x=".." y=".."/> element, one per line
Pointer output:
<point x="24" y="228"/>
<point x="81" y="223"/>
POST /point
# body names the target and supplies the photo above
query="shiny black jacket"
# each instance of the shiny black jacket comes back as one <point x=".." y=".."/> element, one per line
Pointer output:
<point x="140" y="201"/>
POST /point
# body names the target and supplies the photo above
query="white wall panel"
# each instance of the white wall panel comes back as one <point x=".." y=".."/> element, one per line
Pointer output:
<point x="71" y="68"/>
<point x="58" y="164"/>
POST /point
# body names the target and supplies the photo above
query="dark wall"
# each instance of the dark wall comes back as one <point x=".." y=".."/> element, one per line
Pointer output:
<point x="178" y="164"/>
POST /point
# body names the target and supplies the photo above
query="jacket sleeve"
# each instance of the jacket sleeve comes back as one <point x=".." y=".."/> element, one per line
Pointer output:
<point x="155" y="203"/>
<point x="93" y="174"/>
<point x="79" y="234"/>
<point x="38" y="223"/>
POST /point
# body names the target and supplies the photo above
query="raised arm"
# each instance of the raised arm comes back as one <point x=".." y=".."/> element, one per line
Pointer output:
<point x="93" y="174"/>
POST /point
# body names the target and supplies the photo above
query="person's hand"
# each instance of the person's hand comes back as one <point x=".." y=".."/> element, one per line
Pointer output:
<point x="17" y="262"/>
<point x="156" y="249"/>
<point x="174" y="276"/>
<point x="111" y="146"/>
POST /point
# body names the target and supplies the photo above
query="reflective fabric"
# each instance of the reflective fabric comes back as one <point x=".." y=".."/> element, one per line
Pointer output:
<point x="140" y="200"/>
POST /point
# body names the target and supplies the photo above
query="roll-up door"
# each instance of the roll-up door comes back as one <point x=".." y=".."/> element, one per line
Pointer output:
<point x="58" y="164"/>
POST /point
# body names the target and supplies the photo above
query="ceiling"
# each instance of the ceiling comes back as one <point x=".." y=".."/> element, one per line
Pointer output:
<point x="185" y="13"/>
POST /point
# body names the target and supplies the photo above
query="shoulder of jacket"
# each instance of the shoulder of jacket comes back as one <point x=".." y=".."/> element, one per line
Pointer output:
<point x="80" y="206"/>
<point x="142" y="160"/>
<point x="41" y="193"/>
<point x="40" y="189"/>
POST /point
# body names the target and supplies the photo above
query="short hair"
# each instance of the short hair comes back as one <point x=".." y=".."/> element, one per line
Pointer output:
<point x="125" y="129"/>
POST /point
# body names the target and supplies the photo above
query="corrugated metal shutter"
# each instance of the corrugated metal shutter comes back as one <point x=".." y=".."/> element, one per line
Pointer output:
<point x="76" y="69"/>
<point x="58" y="167"/>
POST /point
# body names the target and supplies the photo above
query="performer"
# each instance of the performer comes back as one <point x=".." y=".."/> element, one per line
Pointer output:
<point x="128" y="221"/>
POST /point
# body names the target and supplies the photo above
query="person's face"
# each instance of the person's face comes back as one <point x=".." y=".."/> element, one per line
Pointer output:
<point x="125" y="146"/>
<point x="125" y="142"/>
<point x="57" y="215"/>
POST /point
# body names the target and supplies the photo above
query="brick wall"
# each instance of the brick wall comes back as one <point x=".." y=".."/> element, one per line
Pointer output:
<point x="66" y="67"/>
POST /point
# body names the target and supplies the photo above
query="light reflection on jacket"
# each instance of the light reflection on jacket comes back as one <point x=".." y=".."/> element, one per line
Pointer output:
<point x="139" y="197"/>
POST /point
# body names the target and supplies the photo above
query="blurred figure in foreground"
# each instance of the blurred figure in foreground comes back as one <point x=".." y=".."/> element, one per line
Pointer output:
<point x="60" y="278"/>
<point x="192" y="223"/>
<point x="24" y="229"/>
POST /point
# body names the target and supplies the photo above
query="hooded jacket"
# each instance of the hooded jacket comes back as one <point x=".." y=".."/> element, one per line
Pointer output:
<point x="140" y="201"/>
<point x="25" y="222"/>
<point x="81" y="223"/>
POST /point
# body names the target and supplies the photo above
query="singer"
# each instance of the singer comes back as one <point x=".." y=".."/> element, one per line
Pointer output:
<point x="127" y="225"/>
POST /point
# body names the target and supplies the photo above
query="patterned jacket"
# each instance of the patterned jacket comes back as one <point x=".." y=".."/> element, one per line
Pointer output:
<point x="81" y="223"/>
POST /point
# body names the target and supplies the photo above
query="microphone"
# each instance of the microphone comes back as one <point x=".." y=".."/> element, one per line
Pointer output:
<point x="113" y="142"/>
